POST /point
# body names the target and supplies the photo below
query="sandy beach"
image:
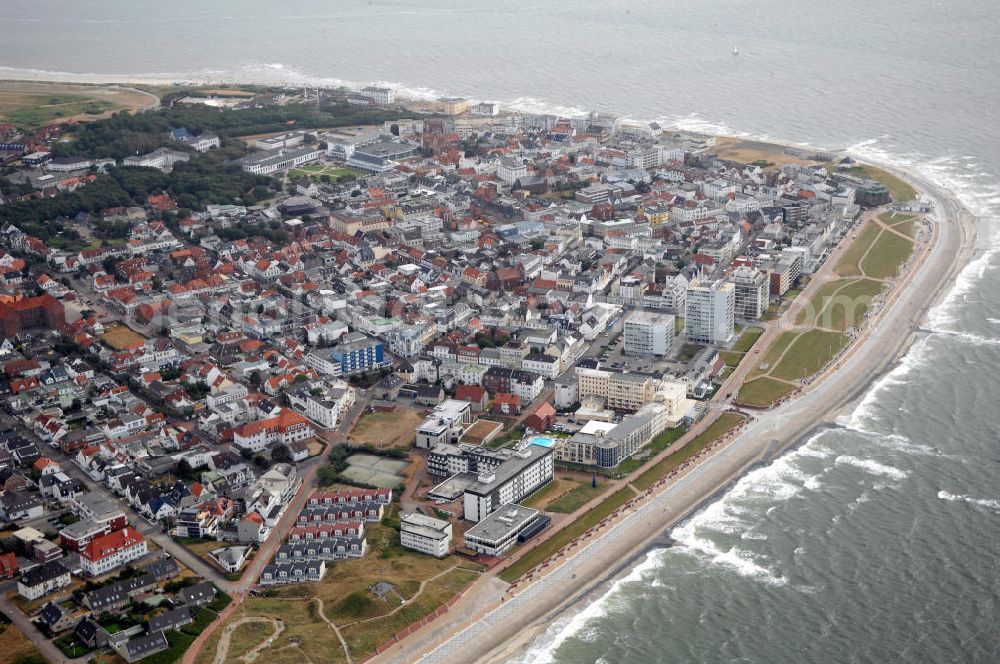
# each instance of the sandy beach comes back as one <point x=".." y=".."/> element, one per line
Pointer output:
<point x="506" y="631"/>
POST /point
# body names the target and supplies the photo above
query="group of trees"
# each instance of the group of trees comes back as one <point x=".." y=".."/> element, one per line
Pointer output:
<point x="123" y="134"/>
<point x="205" y="180"/>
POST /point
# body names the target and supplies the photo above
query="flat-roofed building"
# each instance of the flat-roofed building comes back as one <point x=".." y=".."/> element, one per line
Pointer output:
<point x="751" y="288"/>
<point x="445" y="424"/>
<point x="513" y="480"/>
<point x="497" y="533"/>
<point x="425" y="534"/>
<point x="647" y="333"/>
<point x="709" y="312"/>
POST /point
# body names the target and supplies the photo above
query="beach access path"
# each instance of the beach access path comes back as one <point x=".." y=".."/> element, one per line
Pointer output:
<point x="505" y="631"/>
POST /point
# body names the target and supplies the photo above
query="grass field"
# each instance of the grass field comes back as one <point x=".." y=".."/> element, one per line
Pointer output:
<point x="750" y="152"/>
<point x="364" y="619"/>
<point x="763" y="391"/>
<point x="850" y="263"/>
<point x="576" y="498"/>
<point x="385" y="430"/>
<point x="848" y="307"/>
<point x="317" y="171"/>
<point x="554" y="489"/>
<point x="811" y="351"/>
<point x="247" y="636"/>
<point x="316" y="642"/>
<point x="747" y="339"/>
<point x="17" y="649"/>
<point x="887" y="256"/>
<point x="364" y="638"/>
<point x="809" y="312"/>
<point x="120" y="336"/>
<point x="775" y="351"/>
<point x="900" y="190"/>
<point x="716" y="429"/>
<point x="567" y="534"/>
<point x="30" y="104"/>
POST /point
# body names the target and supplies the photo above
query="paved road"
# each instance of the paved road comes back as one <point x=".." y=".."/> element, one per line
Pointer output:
<point x="24" y="624"/>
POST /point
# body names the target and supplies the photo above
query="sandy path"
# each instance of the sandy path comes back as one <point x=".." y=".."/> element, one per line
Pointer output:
<point x="222" y="651"/>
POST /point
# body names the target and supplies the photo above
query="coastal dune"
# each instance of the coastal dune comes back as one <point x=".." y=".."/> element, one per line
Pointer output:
<point x="505" y="632"/>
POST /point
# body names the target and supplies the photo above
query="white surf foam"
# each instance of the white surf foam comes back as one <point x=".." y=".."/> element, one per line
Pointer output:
<point x="872" y="467"/>
<point x="978" y="502"/>
<point x="543" y="649"/>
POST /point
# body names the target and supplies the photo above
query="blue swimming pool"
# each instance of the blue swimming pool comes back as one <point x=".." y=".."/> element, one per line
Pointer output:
<point x="542" y="441"/>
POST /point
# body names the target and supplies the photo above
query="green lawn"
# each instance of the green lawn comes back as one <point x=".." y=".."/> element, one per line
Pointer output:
<point x="567" y="534"/>
<point x="776" y="349"/>
<point x="716" y="429"/>
<point x="763" y="391"/>
<point x="848" y="307"/>
<point x="576" y="498"/>
<point x="731" y="358"/>
<point x="364" y="638"/>
<point x="891" y="217"/>
<point x="887" y="256"/>
<point x="655" y="446"/>
<point x="747" y="339"/>
<point x="37" y="110"/>
<point x="688" y="351"/>
<point x="248" y="636"/>
<point x="811" y="351"/>
<point x="908" y="228"/>
<point x="540" y="498"/>
<point x="317" y="171"/>
<point x="900" y="190"/>
<point x="808" y="314"/>
<point x="849" y="264"/>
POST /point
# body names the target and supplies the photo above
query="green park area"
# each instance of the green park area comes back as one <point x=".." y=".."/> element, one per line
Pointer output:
<point x="324" y="173"/>
<point x="901" y="190"/>
<point x="714" y="431"/>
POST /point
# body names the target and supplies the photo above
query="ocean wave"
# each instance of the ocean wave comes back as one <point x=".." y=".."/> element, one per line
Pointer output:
<point x="543" y="649"/>
<point x="864" y="411"/>
<point x="872" y="467"/>
<point x="742" y="562"/>
<point x="969" y="338"/>
<point x="979" y="502"/>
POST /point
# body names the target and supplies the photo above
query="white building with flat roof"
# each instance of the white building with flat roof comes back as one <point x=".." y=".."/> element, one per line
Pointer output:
<point x="497" y="533"/>
<point x="445" y="424"/>
<point x="709" y="312"/>
<point x="513" y="480"/>
<point x="647" y="333"/>
<point x="751" y="292"/>
<point x="425" y="534"/>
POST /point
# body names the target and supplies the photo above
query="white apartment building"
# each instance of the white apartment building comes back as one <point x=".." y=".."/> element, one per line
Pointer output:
<point x="751" y="290"/>
<point x="511" y="170"/>
<point x="709" y="312"/>
<point x="497" y="534"/>
<point x="445" y="424"/>
<point x="113" y="550"/>
<point x="648" y="333"/>
<point x="381" y="96"/>
<point x="623" y="392"/>
<point x="512" y="481"/>
<point x="425" y="534"/>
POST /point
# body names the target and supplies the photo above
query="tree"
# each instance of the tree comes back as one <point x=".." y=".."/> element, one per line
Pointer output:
<point x="281" y="453"/>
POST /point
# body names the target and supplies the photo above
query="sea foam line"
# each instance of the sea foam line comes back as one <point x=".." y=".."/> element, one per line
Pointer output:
<point x="979" y="502"/>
